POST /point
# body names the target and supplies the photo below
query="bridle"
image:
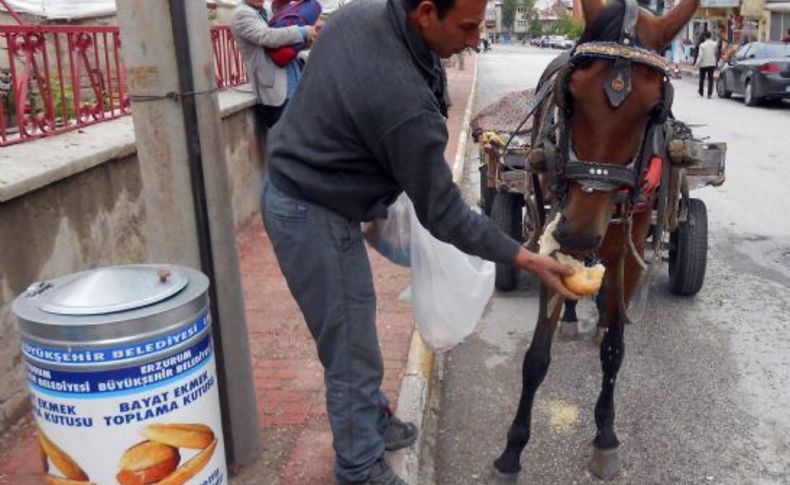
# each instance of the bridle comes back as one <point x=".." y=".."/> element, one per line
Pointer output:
<point x="551" y="136"/>
<point x="565" y="165"/>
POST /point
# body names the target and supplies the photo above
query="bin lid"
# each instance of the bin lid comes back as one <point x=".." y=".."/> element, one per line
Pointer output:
<point x="109" y="290"/>
<point x="118" y="303"/>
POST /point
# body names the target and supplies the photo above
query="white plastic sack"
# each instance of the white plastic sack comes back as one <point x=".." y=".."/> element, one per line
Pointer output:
<point x="391" y="236"/>
<point x="449" y="290"/>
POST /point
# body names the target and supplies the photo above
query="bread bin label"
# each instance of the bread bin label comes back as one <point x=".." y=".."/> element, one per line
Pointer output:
<point x="140" y="413"/>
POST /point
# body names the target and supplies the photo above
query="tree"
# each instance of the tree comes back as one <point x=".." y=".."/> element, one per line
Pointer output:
<point x="509" y="13"/>
<point x="570" y="26"/>
<point x="535" y="26"/>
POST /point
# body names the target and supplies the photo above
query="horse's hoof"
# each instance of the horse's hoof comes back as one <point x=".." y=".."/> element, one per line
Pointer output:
<point x="605" y="464"/>
<point x="569" y="331"/>
<point x="497" y="477"/>
<point x="600" y="333"/>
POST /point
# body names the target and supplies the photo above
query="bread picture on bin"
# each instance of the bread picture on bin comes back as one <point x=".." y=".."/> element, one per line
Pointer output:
<point x="156" y="460"/>
<point x="72" y="473"/>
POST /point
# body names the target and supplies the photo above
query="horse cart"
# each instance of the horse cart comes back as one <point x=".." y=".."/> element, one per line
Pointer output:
<point x="510" y="189"/>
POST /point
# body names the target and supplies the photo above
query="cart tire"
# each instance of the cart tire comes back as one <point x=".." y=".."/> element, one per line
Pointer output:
<point x="486" y="193"/>
<point x="688" y="251"/>
<point x="506" y="214"/>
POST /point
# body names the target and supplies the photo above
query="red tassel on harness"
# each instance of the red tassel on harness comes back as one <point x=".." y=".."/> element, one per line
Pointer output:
<point x="653" y="176"/>
<point x="650" y="182"/>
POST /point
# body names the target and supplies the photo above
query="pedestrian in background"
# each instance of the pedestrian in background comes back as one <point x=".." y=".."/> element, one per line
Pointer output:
<point x="700" y="39"/>
<point x="787" y="36"/>
<point x="706" y="62"/>
<point x="367" y="123"/>
<point x="273" y="85"/>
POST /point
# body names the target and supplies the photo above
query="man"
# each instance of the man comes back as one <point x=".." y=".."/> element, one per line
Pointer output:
<point x="367" y="123"/>
<point x="700" y="39"/>
<point x="706" y="62"/>
<point x="786" y="38"/>
<point x="273" y="85"/>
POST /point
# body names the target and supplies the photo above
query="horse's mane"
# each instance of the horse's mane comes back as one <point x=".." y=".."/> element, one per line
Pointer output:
<point x="607" y="24"/>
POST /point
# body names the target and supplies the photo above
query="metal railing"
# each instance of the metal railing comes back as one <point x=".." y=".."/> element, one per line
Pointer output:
<point x="55" y="78"/>
<point x="227" y="61"/>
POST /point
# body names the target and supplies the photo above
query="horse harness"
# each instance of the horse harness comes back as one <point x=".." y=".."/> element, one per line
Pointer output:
<point x="563" y="164"/>
<point x="552" y="103"/>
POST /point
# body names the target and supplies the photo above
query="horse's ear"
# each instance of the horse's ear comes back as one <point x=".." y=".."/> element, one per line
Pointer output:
<point x="661" y="30"/>
<point x="591" y="9"/>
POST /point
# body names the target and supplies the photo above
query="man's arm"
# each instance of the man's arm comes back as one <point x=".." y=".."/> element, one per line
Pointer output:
<point x="414" y="152"/>
<point x="250" y="26"/>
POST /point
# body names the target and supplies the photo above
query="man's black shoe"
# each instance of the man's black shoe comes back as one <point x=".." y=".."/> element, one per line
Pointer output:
<point x="380" y="474"/>
<point x="397" y="434"/>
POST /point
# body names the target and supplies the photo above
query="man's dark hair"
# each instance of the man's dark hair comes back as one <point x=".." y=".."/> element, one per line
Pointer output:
<point x="442" y="6"/>
<point x="707" y="35"/>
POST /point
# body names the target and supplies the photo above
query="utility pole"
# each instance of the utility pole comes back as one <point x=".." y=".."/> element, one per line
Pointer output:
<point x="171" y="83"/>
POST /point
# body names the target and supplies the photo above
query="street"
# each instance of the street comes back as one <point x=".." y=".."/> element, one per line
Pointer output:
<point x="703" y="396"/>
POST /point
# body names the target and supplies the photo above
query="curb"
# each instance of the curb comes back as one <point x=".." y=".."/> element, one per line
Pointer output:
<point x="460" y="153"/>
<point x="418" y="383"/>
<point x="691" y="71"/>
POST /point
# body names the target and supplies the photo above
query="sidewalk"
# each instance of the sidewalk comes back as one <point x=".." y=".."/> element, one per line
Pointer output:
<point x="691" y="71"/>
<point x="288" y="377"/>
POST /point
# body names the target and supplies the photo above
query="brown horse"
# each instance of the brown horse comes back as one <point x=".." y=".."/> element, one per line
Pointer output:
<point x="607" y="100"/>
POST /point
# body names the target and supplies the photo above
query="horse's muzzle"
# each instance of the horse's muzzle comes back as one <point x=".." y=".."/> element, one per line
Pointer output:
<point x="581" y="241"/>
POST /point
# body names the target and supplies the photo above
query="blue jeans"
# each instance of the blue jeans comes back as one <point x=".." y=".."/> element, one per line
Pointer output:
<point x="324" y="260"/>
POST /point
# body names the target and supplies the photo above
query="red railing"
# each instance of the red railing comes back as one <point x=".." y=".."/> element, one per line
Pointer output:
<point x="227" y="60"/>
<point x="58" y="78"/>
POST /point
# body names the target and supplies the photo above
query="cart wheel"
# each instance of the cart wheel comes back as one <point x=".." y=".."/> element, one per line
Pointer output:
<point x="688" y="251"/>
<point x="506" y="214"/>
<point x="486" y="192"/>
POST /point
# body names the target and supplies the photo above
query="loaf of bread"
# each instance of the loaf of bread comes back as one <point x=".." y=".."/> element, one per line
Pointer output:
<point x="585" y="280"/>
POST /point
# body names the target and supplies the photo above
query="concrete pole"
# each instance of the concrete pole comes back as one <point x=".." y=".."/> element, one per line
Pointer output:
<point x="170" y="79"/>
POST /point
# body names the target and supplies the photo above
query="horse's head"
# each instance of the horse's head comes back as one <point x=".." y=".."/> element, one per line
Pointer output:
<point x="611" y="93"/>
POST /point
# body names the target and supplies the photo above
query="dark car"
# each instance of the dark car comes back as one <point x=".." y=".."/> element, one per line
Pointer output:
<point x="759" y="71"/>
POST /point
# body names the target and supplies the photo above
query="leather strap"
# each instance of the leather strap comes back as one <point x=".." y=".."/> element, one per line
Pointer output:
<point x="631" y="15"/>
<point x="613" y="176"/>
<point x="618" y="82"/>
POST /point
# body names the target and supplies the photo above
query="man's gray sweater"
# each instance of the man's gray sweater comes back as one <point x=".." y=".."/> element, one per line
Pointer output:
<point x="366" y="123"/>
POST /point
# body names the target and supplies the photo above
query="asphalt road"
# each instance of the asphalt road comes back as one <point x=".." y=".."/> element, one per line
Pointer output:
<point x="704" y="393"/>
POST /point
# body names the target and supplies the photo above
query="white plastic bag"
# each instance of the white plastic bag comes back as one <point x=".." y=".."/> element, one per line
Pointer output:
<point x="391" y="236"/>
<point x="449" y="290"/>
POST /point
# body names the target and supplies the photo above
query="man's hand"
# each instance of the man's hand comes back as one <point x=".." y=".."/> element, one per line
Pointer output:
<point x="312" y="34"/>
<point x="547" y="269"/>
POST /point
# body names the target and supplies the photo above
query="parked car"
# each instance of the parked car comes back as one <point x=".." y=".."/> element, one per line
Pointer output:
<point x="542" y="41"/>
<point x="560" y="42"/>
<point x="566" y="44"/>
<point x="758" y="71"/>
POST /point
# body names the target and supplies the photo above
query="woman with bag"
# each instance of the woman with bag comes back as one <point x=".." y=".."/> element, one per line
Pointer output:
<point x="272" y="84"/>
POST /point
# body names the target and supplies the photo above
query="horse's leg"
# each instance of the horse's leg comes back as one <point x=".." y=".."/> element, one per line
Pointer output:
<point x="569" y="323"/>
<point x="606" y="462"/>
<point x="606" y="459"/>
<point x="600" y="305"/>
<point x="533" y="371"/>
